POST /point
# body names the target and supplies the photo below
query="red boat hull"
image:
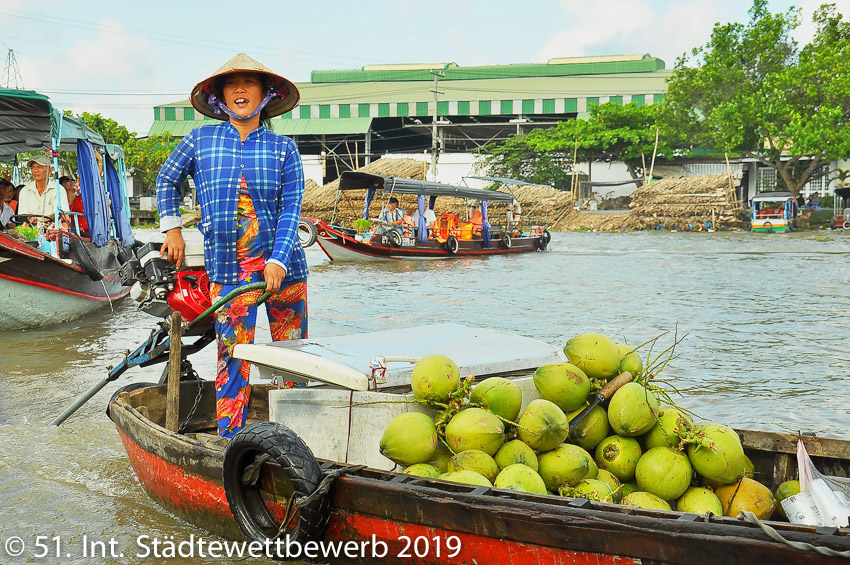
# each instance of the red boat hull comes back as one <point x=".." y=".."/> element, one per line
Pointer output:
<point x="392" y="513"/>
<point x="341" y="246"/>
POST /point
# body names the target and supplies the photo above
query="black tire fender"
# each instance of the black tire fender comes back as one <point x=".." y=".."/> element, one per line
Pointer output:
<point x="547" y="236"/>
<point x="307" y="232"/>
<point x="86" y="260"/>
<point x="768" y="227"/>
<point x="126" y="388"/>
<point x="506" y="240"/>
<point x="542" y="244"/>
<point x="296" y="461"/>
<point x="452" y="245"/>
<point x="395" y="238"/>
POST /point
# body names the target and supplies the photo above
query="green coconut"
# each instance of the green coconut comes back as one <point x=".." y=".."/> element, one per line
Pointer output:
<point x="542" y="425"/>
<point x="747" y="495"/>
<point x="645" y="500"/>
<point x="612" y="481"/>
<point x="513" y="452"/>
<point x="520" y="477"/>
<point x="467" y="478"/>
<point x="434" y="378"/>
<point x="627" y="488"/>
<point x="633" y="410"/>
<point x="500" y="396"/>
<point x="591" y="430"/>
<point x="422" y="470"/>
<point x="474" y="460"/>
<point x="664" y="472"/>
<point x="593" y="468"/>
<point x="594" y="354"/>
<point x="629" y="360"/>
<point x="698" y="500"/>
<point x="562" y="383"/>
<point x="665" y="433"/>
<point x="565" y="465"/>
<point x="440" y="459"/>
<point x="592" y="489"/>
<point x="475" y="428"/>
<point x="783" y="491"/>
<point x="410" y="438"/>
<point x="721" y="460"/>
<point x="619" y="455"/>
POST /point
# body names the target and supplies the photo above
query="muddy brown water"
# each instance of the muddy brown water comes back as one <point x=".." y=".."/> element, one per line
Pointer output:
<point x="764" y="318"/>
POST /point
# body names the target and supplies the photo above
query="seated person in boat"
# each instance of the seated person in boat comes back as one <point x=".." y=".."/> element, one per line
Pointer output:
<point x="7" y="192"/>
<point x="392" y="216"/>
<point x="430" y="220"/>
<point x="75" y="200"/>
<point x="513" y="214"/>
<point x="38" y="196"/>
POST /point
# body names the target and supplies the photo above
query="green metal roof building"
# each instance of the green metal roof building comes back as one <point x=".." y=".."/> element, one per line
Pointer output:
<point x="390" y="108"/>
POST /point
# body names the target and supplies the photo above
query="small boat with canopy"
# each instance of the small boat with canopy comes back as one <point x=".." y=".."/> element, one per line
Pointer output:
<point x="55" y="271"/>
<point x="359" y="239"/>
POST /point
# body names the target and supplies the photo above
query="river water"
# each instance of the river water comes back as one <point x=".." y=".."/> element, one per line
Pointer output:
<point x="762" y="321"/>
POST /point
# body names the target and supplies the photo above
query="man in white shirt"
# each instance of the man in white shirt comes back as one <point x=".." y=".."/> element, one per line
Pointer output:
<point x="430" y="220"/>
<point x="38" y="196"/>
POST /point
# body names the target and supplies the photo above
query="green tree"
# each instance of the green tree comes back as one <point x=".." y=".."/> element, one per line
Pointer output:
<point x="752" y="91"/>
<point x="612" y="132"/>
<point x="144" y="155"/>
<point x="518" y="158"/>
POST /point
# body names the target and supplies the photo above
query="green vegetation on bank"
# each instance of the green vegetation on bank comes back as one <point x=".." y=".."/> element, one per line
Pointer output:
<point x="751" y="91"/>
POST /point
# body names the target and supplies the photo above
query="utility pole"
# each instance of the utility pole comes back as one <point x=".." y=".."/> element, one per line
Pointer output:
<point x="11" y="74"/>
<point x="437" y="75"/>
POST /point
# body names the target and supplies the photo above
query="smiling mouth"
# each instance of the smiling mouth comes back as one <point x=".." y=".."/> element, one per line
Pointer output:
<point x="241" y="101"/>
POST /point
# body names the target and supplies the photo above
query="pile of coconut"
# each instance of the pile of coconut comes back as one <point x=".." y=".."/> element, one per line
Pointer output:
<point x="642" y="451"/>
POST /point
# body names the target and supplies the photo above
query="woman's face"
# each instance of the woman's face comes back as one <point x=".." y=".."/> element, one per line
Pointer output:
<point x="242" y="92"/>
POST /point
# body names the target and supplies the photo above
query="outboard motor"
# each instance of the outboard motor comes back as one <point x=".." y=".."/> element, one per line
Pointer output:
<point x="160" y="289"/>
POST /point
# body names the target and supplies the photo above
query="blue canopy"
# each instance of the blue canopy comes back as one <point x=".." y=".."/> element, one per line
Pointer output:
<point x="116" y="196"/>
<point x="93" y="193"/>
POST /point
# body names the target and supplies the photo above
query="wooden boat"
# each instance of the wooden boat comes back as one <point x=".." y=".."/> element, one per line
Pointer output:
<point x="774" y="212"/>
<point x="450" y="238"/>
<point x="193" y="474"/>
<point x="63" y="273"/>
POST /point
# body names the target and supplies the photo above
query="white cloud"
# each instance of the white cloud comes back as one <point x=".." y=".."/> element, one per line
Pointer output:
<point x="107" y="59"/>
<point x="597" y="23"/>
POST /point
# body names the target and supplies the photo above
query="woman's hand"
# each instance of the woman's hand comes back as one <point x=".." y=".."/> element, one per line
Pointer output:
<point x="173" y="248"/>
<point x="273" y="275"/>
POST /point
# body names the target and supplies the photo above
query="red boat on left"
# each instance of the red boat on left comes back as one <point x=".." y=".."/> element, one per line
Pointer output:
<point x="53" y="271"/>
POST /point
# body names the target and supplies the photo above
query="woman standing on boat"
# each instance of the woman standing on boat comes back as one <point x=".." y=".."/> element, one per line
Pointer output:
<point x="250" y="184"/>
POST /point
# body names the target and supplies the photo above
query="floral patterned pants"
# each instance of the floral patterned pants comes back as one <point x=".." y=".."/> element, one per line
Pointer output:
<point x="236" y="323"/>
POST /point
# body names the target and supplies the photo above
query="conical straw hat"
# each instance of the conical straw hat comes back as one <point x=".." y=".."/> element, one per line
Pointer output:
<point x="242" y="63"/>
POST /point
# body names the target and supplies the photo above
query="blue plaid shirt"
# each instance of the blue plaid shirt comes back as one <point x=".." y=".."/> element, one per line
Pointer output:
<point x="216" y="158"/>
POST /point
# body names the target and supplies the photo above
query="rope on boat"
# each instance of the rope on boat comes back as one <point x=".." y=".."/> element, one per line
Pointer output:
<point x="776" y="536"/>
<point x="252" y="474"/>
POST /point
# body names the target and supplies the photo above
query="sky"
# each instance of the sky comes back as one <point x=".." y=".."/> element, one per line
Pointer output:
<point x="122" y="58"/>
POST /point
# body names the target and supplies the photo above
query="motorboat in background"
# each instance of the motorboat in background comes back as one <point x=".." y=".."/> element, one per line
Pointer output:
<point x="774" y="212"/>
<point x="59" y="272"/>
<point x="451" y="237"/>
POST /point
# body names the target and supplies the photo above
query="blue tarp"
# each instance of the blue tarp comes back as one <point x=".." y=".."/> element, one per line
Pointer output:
<point x="116" y="196"/>
<point x="93" y="193"/>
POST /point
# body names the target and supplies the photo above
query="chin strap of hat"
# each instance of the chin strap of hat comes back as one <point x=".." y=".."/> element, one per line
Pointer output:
<point x="220" y="107"/>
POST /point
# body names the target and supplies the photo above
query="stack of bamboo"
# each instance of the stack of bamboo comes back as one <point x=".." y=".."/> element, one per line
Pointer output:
<point x="684" y="202"/>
